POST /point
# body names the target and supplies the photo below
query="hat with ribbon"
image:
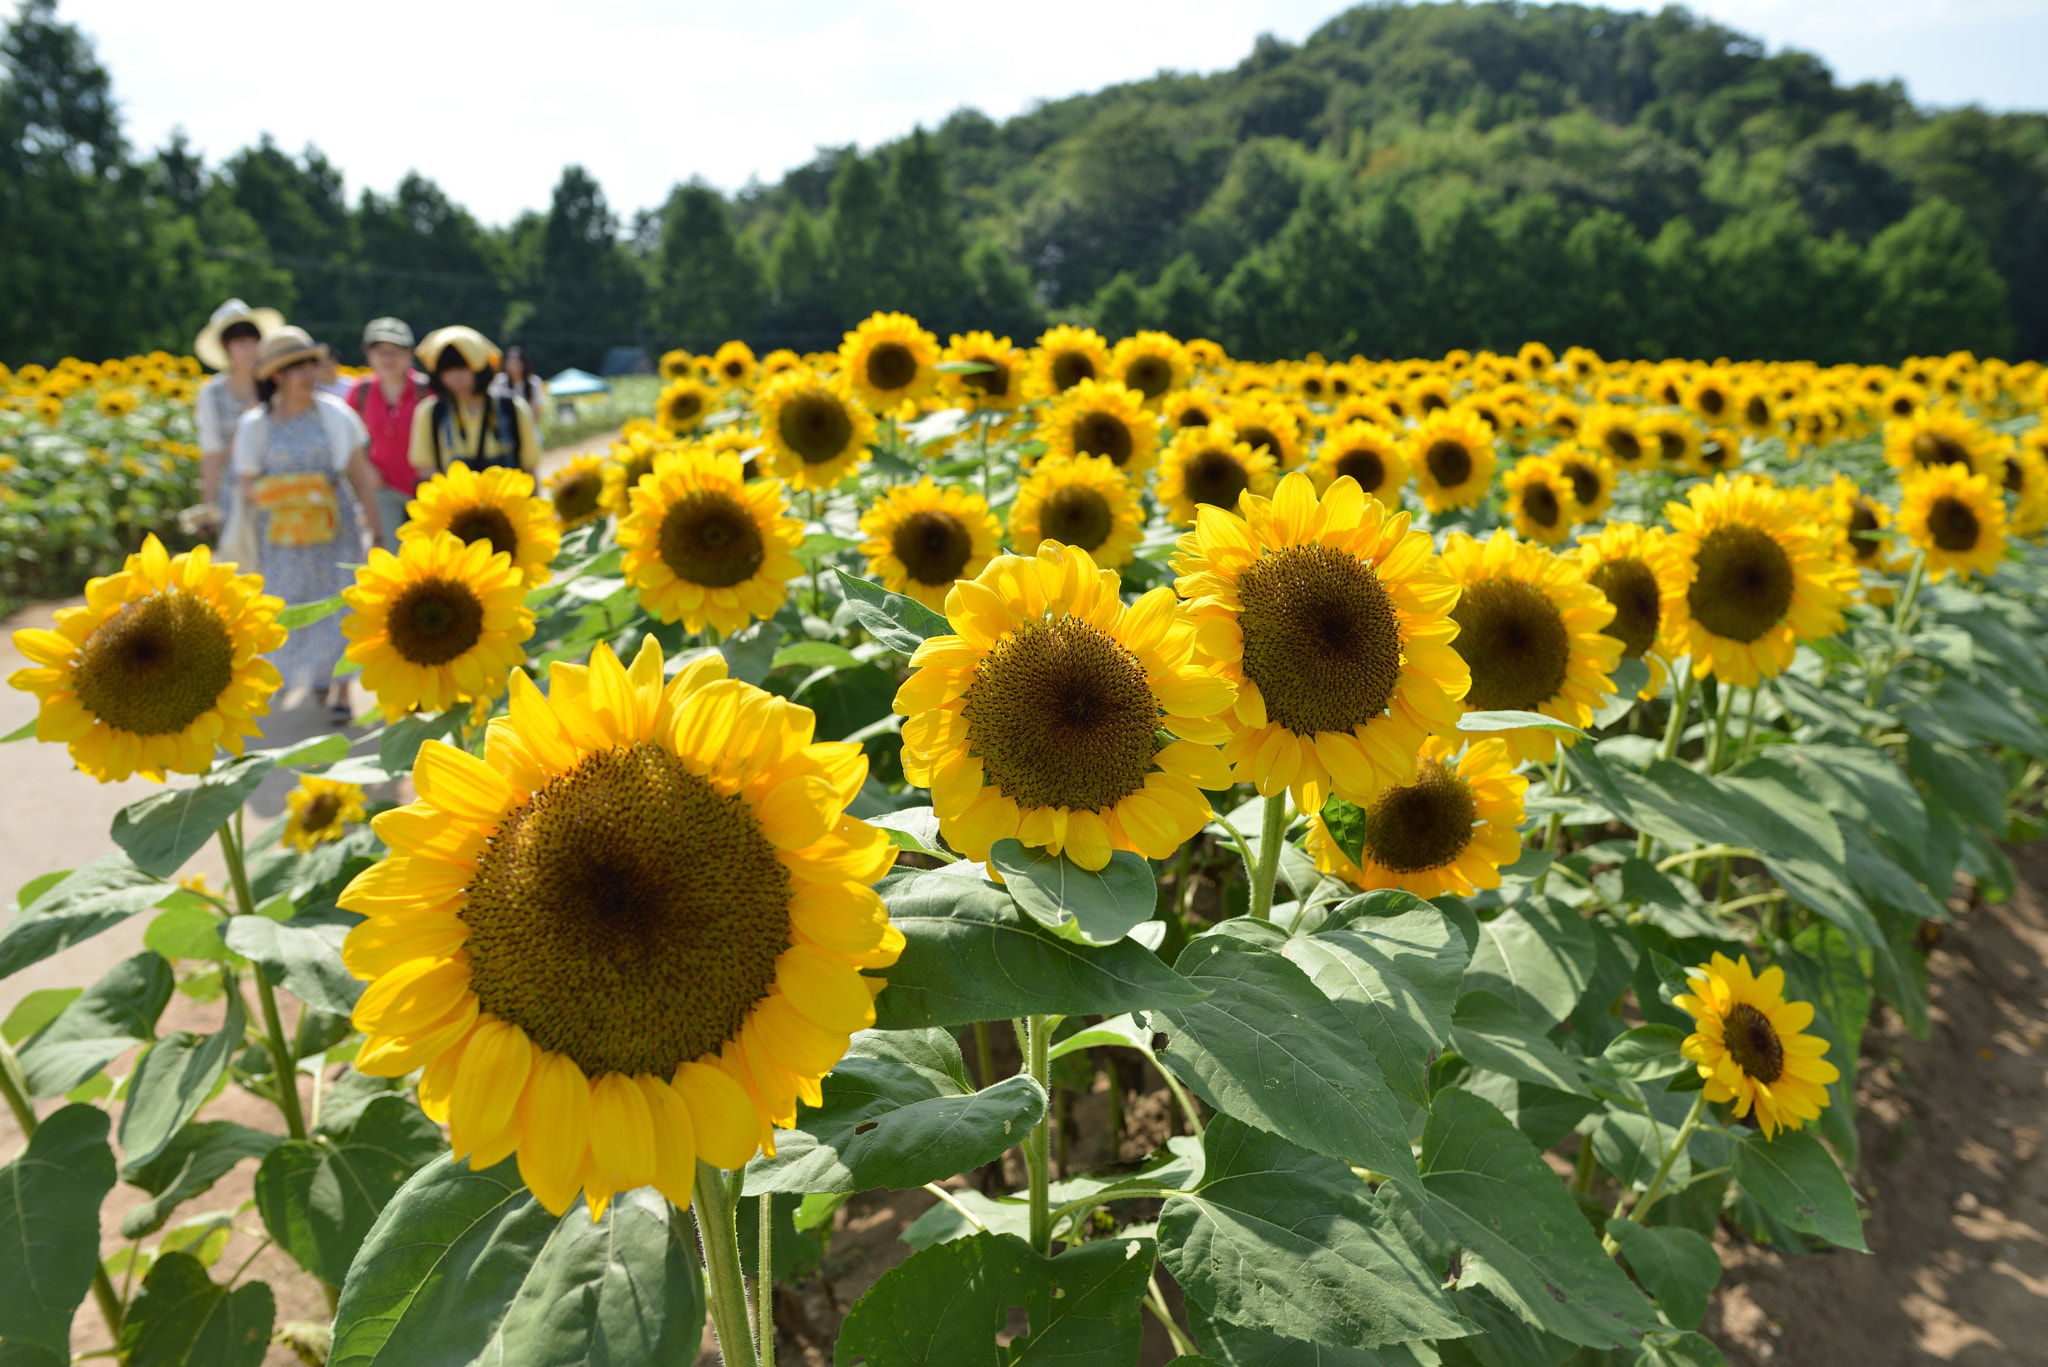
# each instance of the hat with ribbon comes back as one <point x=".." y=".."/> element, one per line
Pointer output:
<point x="286" y="347"/>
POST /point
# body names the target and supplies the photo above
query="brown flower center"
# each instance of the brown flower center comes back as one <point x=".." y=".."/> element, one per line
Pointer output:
<point x="1149" y="375"/>
<point x="933" y="545"/>
<point x="1364" y="465"/>
<point x="1743" y="585"/>
<point x="1753" y="1044"/>
<point x="1953" y="524"/>
<point x="1515" y="642"/>
<point x="1103" y="434"/>
<point x="1069" y="368"/>
<point x="1449" y="463"/>
<point x="708" y="538"/>
<point x="156" y="666"/>
<point x="1076" y="515"/>
<point x="1638" y="607"/>
<point x="1214" y="476"/>
<point x="891" y="366"/>
<point x="435" y="620"/>
<point x="484" y="523"/>
<point x="1423" y="826"/>
<point x="1321" y="639"/>
<point x="816" y="426"/>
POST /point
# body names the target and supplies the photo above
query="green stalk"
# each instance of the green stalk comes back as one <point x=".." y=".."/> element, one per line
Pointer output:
<point x="817" y="565"/>
<point x="725" y="1285"/>
<point x="1037" y="1144"/>
<point x="1902" y="618"/>
<point x="1155" y="1301"/>
<point x="1272" y="836"/>
<point x="764" y="1283"/>
<point x="984" y="1055"/>
<point x="1674" y="730"/>
<point x="1749" y="724"/>
<point x="1656" y="1187"/>
<point x="1717" y="744"/>
<point x="1556" y="826"/>
<point x="981" y="420"/>
<point x="111" y="1308"/>
<point x="284" y="1064"/>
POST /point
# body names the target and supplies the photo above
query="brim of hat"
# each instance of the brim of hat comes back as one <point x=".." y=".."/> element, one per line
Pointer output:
<point x="267" y="368"/>
<point x="208" y="348"/>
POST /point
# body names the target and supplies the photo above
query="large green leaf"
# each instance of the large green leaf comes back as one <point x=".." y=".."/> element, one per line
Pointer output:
<point x="945" y="1306"/>
<point x="466" y="1268"/>
<point x="398" y="749"/>
<point x="898" y="622"/>
<point x="304" y="960"/>
<point x="971" y="955"/>
<point x="320" y="1199"/>
<point x="1290" y="1242"/>
<point x="1538" y="955"/>
<point x="79" y="906"/>
<point x="183" y="1318"/>
<point x="165" y="829"/>
<point x="1674" y="1264"/>
<point x="1798" y="1181"/>
<point x="1862" y="783"/>
<point x="172" y="1081"/>
<point x="1095" y="908"/>
<point x="1669" y="1348"/>
<point x="1267" y="1047"/>
<point x="1231" y="1345"/>
<point x="50" y="1226"/>
<point x="1492" y="1034"/>
<point x="1970" y="784"/>
<point x="1395" y="976"/>
<point x="1530" y="1245"/>
<point x="197" y="1157"/>
<point x="101" y="1025"/>
<point x="1508" y="1340"/>
<point x="1544" y="1114"/>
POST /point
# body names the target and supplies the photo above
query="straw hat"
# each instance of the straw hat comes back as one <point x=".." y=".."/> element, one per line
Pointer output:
<point x="476" y="349"/>
<point x="207" y="346"/>
<point x="285" y="347"/>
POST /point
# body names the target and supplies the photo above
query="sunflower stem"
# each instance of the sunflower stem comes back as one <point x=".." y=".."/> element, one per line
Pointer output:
<point x="818" y="564"/>
<point x="1656" y="1187"/>
<point x="764" y="1283"/>
<point x="1555" y="829"/>
<point x="1155" y="1301"/>
<point x="725" y="1285"/>
<point x="1272" y="835"/>
<point x="1749" y="724"/>
<point x="981" y="420"/>
<point x="1037" y="1144"/>
<point x="1244" y="850"/>
<point x="984" y="1054"/>
<point x="1674" y="730"/>
<point x="1717" y="744"/>
<point x="283" y="1062"/>
<point x="1902" y="620"/>
<point x="111" y="1306"/>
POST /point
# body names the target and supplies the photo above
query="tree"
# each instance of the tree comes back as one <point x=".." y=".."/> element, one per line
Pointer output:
<point x="426" y="260"/>
<point x="707" y="282"/>
<point x="586" y="293"/>
<point x="1937" y="291"/>
<point x="922" y="244"/>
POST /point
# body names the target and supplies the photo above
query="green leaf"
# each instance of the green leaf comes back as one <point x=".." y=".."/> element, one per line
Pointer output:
<point x="185" y="1317"/>
<point x="305" y="614"/>
<point x="37" y="886"/>
<point x="304" y="960"/>
<point x="1395" y="977"/>
<point x="1485" y="722"/>
<point x="1270" y="1049"/>
<point x="1798" y="1181"/>
<point x="306" y="753"/>
<point x="1097" y="908"/>
<point x="945" y="1306"/>
<point x="1545" y="1114"/>
<point x="898" y="622"/>
<point x="943" y="1223"/>
<point x="348" y="1097"/>
<point x="1232" y="1345"/>
<point x="25" y="731"/>
<point x="1630" y="677"/>
<point x="1862" y="783"/>
<point x="50" y="1226"/>
<point x="1493" y="1034"/>
<point x="1346" y="823"/>
<point x="187" y="928"/>
<point x="750" y="652"/>
<point x="398" y="749"/>
<point x="1538" y="955"/>
<point x="1668" y="1349"/>
<point x="1528" y="1242"/>
<point x="1630" y="1147"/>
<point x="818" y="545"/>
<point x="101" y="1025"/>
<point x="1648" y="1053"/>
<point x="172" y="1081"/>
<point x="37" y="1010"/>
<point x="1677" y="1266"/>
<point x="915" y="829"/>
<point x="971" y="955"/>
<point x="467" y="1266"/>
<point x="814" y="655"/>
<point x="83" y="903"/>
<point x="319" y="1200"/>
<point x="1292" y="1243"/>
<point x="165" y="829"/>
<point x="197" y="1157"/>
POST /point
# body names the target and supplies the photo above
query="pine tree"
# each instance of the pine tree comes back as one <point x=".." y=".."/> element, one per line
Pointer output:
<point x="708" y="284"/>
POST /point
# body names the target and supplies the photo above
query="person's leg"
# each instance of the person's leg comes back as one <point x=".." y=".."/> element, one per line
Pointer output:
<point x="391" y="511"/>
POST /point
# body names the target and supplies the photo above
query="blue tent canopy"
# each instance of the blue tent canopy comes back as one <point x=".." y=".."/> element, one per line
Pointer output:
<point x="572" y="382"/>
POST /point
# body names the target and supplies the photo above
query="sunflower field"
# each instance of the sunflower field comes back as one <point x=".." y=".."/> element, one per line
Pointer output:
<point x="1314" y="862"/>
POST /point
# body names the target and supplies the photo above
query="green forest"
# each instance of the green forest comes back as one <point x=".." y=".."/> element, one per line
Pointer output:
<point x="1409" y="179"/>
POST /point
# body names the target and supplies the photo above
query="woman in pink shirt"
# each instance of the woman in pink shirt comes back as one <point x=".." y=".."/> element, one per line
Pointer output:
<point x="385" y="400"/>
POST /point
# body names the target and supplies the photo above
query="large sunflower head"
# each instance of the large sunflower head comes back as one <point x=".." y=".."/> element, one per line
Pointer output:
<point x="1448" y="829"/>
<point x="1956" y="518"/>
<point x="497" y="506"/>
<point x="1332" y="619"/>
<point x="1051" y="716"/>
<point x="162" y="663"/>
<point x="1750" y="1047"/>
<point x="704" y="545"/>
<point x="1210" y="466"/>
<point x="1633" y="565"/>
<point x="1102" y="419"/>
<point x="1534" y="633"/>
<point x="1617" y="433"/>
<point x="1151" y="363"/>
<point x="630" y="936"/>
<point x="734" y="364"/>
<point x="441" y="621"/>
<point x="1270" y="425"/>
<point x="889" y="359"/>
<point x="684" y="404"/>
<point x="815" y="432"/>
<point x="321" y="811"/>
<point x="1366" y="452"/>
<point x="1065" y="356"/>
<point x="1758" y="579"/>
<point x="1082" y="501"/>
<point x="1001" y="386"/>
<point x="1541" y="499"/>
<point x="577" y="491"/>
<point x="922" y="539"/>
<point x="1453" y="459"/>
<point x="1938" y="436"/>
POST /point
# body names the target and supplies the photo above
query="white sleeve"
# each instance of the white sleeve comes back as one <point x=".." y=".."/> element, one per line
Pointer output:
<point x="249" y="440"/>
<point x="346" y="433"/>
<point x="211" y="438"/>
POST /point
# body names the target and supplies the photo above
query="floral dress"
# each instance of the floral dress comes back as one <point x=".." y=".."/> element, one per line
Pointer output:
<point x="306" y="574"/>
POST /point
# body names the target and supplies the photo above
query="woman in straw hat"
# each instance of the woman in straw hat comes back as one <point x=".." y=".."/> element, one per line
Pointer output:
<point x="228" y="344"/>
<point x="461" y="420"/>
<point x="300" y="463"/>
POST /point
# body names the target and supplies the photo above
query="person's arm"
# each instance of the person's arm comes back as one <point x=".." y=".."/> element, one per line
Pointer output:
<point x="363" y="480"/>
<point x="211" y="463"/>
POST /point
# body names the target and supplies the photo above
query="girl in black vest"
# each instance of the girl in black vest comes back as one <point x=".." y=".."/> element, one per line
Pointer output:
<point x="460" y="419"/>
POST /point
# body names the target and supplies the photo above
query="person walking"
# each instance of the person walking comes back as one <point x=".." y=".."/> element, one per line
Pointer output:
<point x="518" y="378"/>
<point x="460" y="419"/>
<point x="299" y="461"/>
<point x="386" y="400"/>
<point x="228" y="344"/>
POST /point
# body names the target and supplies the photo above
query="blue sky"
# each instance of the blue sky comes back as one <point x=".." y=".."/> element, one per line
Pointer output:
<point x="492" y="100"/>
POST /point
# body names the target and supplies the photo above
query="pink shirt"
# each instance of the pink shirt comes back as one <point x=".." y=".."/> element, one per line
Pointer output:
<point x="390" y="428"/>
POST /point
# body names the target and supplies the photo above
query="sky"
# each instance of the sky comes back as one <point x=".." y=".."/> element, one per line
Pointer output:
<point x="491" y="101"/>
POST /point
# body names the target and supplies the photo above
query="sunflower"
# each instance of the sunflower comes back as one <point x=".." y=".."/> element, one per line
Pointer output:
<point x="675" y="364"/>
<point x="684" y="404"/>
<point x="438" y="622"/>
<point x="1448" y="829"/>
<point x="322" y="810"/>
<point x="815" y="433"/>
<point x="1207" y="355"/>
<point x="1270" y="426"/>
<point x="1675" y="438"/>
<point x="1956" y="517"/>
<point x="1757" y="580"/>
<point x="162" y="663"/>
<point x="1756" y="408"/>
<point x="1429" y="395"/>
<point x="1332" y="620"/>
<point x="1719" y="450"/>
<point x="1452" y="457"/>
<point x="1102" y="419"/>
<point x="1749" y="1044"/>
<point x="734" y="364"/>
<point x="703" y="545"/>
<point x="1540" y="500"/>
<point x="923" y="539"/>
<point x="632" y="459"/>
<point x="1082" y="501"/>
<point x="577" y="491"/>
<point x="888" y="359"/>
<point x="497" y="506"/>
<point x="1939" y="436"/>
<point x="1591" y="477"/>
<point x="118" y="403"/>
<point x="1616" y="432"/>
<point x="1151" y="363"/>
<point x="1066" y="356"/>
<point x="1712" y="396"/>
<point x="1367" y="408"/>
<point x="1210" y="466"/>
<point x="779" y="362"/>
<point x="2026" y="479"/>
<point x="1192" y="408"/>
<point x="1533" y="631"/>
<point x="1365" y="452"/>
<point x="1001" y="387"/>
<point x="1633" y="565"/>
<point x="628" y="938"/>
<point x="1859" y="520"/>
